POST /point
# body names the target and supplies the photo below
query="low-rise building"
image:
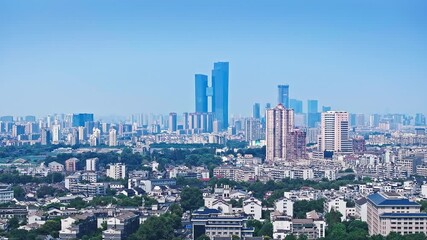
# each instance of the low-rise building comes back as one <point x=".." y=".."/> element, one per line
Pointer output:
<point x="6" y="193"/>
<point x="75" y="227"/>
<point x="213" y="223"/>
<point x="121" y="226"/>
<point x="390" y="212"/>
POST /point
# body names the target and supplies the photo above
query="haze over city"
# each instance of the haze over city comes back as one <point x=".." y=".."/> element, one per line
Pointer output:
<point x="110" y="57"/>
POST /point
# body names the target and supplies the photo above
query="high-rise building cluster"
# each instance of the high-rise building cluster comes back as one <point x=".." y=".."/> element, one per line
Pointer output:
<point x="217" y="92"/>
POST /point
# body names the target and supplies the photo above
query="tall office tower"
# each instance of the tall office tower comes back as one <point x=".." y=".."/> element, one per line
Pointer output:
<point x="374" y="120"/>
<point x="326" y="108"/>
<point x="45" y="136"/>
<point x="6" y="118"/>
<point x="253" y="130"/>
<point x="75" y="136"/>
<point x="335" y="132"/>
<point x="313" y="113"/>
<point x="173" y="122"/>
<point x="80" y="119"/>
<point x="105" y="128"/>
<point x="283" y="97"/>
<point x="55" y="133"/>
<point x="30" y="118"/>
<point x="279" y="124"/>
<point x="420" y="119"/>
<point x="256" y="111"/>
<point x="140" y="120"/>
<point x="185" y="120"/>
<point x="89" y="126"/>
<point x="82" y="134"/>
<point x="201" y="84"/>
<point x="92" y="164"/>
<point x="112" y="138"/>
<point x="296" y="105"/>
<point x="18" y="130"/>
<point x="220" y="93"/>
<point x="49" y="121"/>
<point x="95" y="138"/>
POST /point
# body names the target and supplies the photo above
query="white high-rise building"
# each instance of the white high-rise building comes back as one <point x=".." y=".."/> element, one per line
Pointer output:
<point x="116" y="171"/>
<point x="112" y="140"/>
<point x="91" y="164"/>
<point x="279" y="123"/>
<point x="335" y="132"/>
<point x="55" y="133"/>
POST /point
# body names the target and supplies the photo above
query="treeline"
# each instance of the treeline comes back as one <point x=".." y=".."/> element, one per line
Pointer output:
<point x="15" y="178"/>
<point x="25" y="150"/>
<point x="190" y="158"/>
<point x="259" y="189"/>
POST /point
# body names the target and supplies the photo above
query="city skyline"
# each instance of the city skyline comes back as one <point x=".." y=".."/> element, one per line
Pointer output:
<point x="142" y="56"/>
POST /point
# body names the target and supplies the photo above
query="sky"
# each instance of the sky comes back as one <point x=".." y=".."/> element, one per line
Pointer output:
<point x="118" y="57"/>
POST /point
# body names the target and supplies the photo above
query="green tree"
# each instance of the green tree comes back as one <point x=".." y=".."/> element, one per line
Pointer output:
<point x="337" y="231"/>
<point x="257" y="225"/>
<point x="77" y="203"/>
<point x="394" y="236"/>
<point x="176" y="209"/>
<point x="191" y="198"/>
<point x="18" y="192"/>
<point x="155" y="228"/>
<point x="291" y="237"/>
<point x="13" y="223"/>
<point x="333" y="217"/>
<point x="203" y="237"/>
<point x="267" y="229"/>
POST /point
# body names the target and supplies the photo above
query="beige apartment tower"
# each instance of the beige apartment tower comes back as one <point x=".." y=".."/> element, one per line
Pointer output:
<point x="335" y="132"/>
<point x="279" y="125"/>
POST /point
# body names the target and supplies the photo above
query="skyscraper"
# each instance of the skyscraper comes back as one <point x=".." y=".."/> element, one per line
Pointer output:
<point x="220" y="93"/>
<point x="279" y="124"/>
<point x="420" y="119"/>
<point x="326" y="108"/>
<point x="313" y="113"/>
<point x="173" y="122"/>
<point x="256" y="111"/>
<point x="112" y="137"/>
<point x="296" y="105"/>
<point x="335" y="132"/>
<point x="80" y="119"/>
<point x="252" y="130"/>
<point x="201" y="84"/>
<point x="283" y="97"/>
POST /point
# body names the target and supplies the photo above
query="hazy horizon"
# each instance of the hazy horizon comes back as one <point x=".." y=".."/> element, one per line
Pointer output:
<point x="126" y="57"/>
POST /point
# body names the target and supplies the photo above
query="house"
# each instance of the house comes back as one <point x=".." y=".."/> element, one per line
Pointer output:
<point x="253" y="208"/>
<point x="121" y="226"/>
<point x="55" y="167"/>
<point x="75" y="227"/>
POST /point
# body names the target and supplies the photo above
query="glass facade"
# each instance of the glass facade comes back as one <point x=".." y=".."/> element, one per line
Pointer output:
<point x="220" y="93"/>
<point x="201" y="83"/>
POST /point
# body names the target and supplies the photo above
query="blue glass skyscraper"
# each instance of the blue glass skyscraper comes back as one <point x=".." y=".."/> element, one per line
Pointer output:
<point x="201" y="83"/>
<point x="283" y="96"/>
<point x="220" y="93"/>
<point x="313" y="113"/>
<point x="296" y="105"/>
<point x="256" y="111"/>
<point x="80" y="119"/>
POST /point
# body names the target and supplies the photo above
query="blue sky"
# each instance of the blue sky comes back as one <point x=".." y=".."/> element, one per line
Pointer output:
<point x="123" y="57"/>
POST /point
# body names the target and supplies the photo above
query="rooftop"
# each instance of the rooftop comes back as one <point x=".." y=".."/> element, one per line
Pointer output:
<point x="381" y="199"/>
<point x="407" y="215"/>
